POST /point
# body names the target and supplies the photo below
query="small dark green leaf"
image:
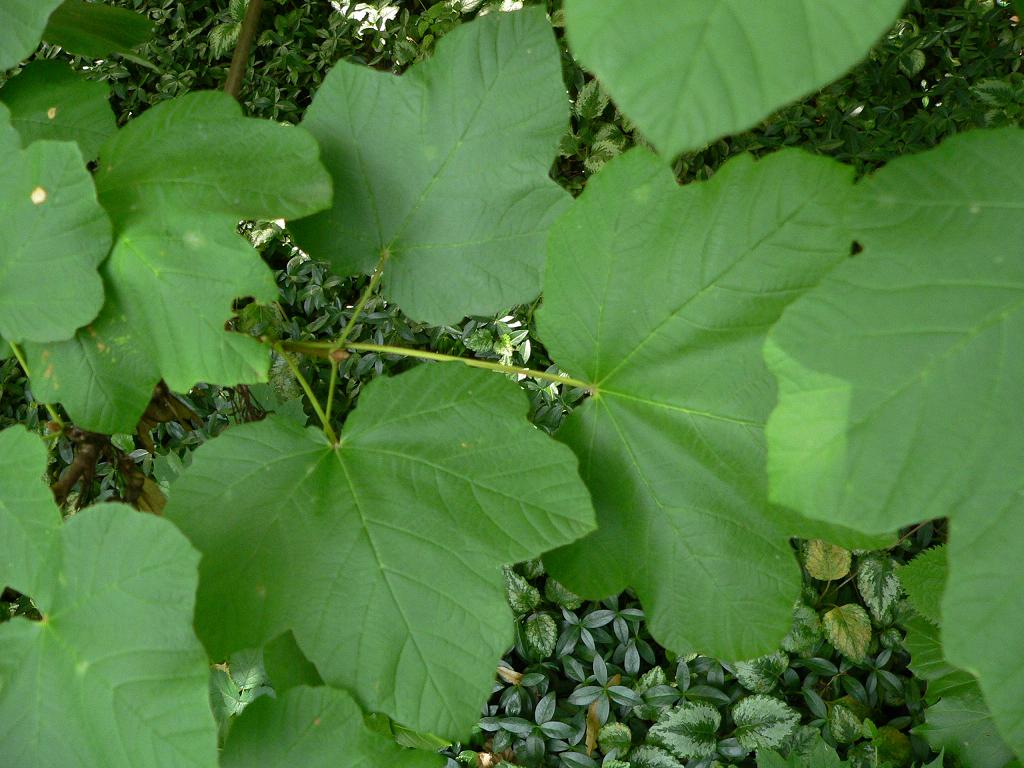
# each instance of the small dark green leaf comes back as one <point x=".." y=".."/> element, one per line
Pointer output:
<point x="94" y="30"/>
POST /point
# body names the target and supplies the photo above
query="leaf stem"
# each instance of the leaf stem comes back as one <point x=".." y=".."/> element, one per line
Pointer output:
<point x="240" y="59"/>
<point x="329" y="349"/>
<point x="324" y="421"/>
<point x="378" y="272"/>
<point x="54" y="416"/>
<point x="332" y="386"/>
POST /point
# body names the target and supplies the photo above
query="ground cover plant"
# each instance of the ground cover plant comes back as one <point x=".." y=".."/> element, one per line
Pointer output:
<point x="706" y="528"/>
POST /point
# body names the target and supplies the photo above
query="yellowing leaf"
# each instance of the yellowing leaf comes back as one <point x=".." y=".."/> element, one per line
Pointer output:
<point x="848" y="628"/>
<point x="826" y="562"/>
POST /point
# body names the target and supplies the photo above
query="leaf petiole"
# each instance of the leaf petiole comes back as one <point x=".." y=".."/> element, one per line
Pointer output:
<point x="324" y="420"/>
<point x="54" y="416"/>
<point x="330" y="349"/>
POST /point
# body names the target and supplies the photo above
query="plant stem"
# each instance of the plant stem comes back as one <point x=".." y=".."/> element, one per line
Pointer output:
<point x="370" y="288"/>
<point x="240" y="59"/>
<point x="327" y="349"/>
<point x="54" y="416"/>
<point x="324" y="421"/>
<point x="332" y="386"/>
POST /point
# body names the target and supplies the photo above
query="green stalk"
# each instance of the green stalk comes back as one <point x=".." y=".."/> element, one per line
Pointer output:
<point x="329" y="349"/>
<point x="324" y="421"/>
<point x="367" y="293"/>
<point x="54" y="416"/>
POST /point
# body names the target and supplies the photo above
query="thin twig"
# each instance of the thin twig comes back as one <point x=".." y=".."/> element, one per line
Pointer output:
<point x="240" y="59"/>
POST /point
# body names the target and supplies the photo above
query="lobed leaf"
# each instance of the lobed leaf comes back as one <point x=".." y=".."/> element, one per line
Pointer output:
<point x="313" y="727"/>
<point x="50" y="101"/>
<point x="28" y="516"/>
<point x="55" y="234"/>
<point x="175" y="182"/>
<point x="898" y="385"/>
<point x="113" y="674"/>
<point x="689" y="71"/>
<point x="659" y="297"/>
<point x="361" y="548"/>
<point x="445" y="169"/>
<point x="21" y="27"/>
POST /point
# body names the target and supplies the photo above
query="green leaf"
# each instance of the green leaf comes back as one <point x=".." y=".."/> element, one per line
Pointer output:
<point x="660" y="296"/>
<point x="94" y="30"/>
<point x="55" y="235"/>
<point x="709" y="69"/>
<point x="21" y="27"/>
<point x="872" y="364"/>
<point x="28" y="516"/>
<point x="198" y="152"/>
<point x="924" y="579"/>
<point x="763" y="721"/>
<point x="235" y="685"/>
<point x="176" y="181"/>
<point x="540" y="633"/>
<point x="689" y="730"/>
<point x="879" y="586"/>
<point x="445" y="169"/>
<point x="407" y="520"/>
<point x="103" y="375"/>
<point x="845" y="725"/>
<point x="286" y="664"/>
<point x="928" y="662"/>
<point x="615" y="736"/>
<point x="646" y="756"/>
<point x="962" y="726"/>
<point x="761" y="675"/>
<point x="427" y="742"/>
<point x="314" y="728"/>
<point x="113" y="674"/>
<point x="848" y="628"/>
<point x="818" y="755"/>
<point x="805" y="631"/>
<point x="50" y="101"/>
<point x="826" y="562"/>
<point x="522" y="596"/>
